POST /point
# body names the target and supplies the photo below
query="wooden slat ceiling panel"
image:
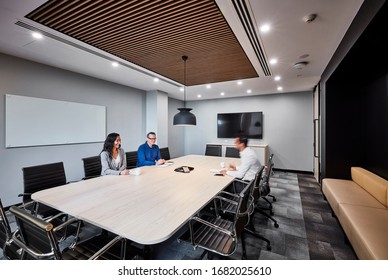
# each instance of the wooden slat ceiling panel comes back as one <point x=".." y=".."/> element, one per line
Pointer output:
<point x="155" y="34"/>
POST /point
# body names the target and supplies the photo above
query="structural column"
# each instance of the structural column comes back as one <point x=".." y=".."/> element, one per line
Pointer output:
<point x="157" y="116"/>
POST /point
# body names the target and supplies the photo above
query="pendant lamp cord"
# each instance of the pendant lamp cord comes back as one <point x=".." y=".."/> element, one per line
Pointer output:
<point x="184" y="58"/>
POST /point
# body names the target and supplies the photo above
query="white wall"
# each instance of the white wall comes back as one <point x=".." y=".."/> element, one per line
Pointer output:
<point x="287" y="125"/>
<point x="125" y="115"/>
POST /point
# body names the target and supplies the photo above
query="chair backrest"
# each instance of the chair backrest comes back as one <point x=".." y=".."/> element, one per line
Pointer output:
<point x="92" y="167"/>
<point x="131" y="159"/>
<point x="264" y="186"/>
<point x="270" y="160"/>
<point x="9" y="248"/>
<point x="35" y="236"/>
<point x="5" y="229"/>
<point x="232" y="152"/>
<point x="245" y="207"/>
<point x="165" y="153"/>
<point x="213" y="150"/>
<point x="256" y="184"/>
<point x="41" y="177"/>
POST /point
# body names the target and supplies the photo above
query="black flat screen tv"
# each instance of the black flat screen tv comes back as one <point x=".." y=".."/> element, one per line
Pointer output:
<point x="230" y="125"/>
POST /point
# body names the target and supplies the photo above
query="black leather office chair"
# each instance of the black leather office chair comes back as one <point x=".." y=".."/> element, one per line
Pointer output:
<point x="264" y="189"/>
<point x="165" y="153"/>
<point x="270" y="162"/>
<point x="213" y="150"/>
<point x="10" y="249"/>
<point x="92" y="167"/>
<point x="229" y="208"/>
<point x="232" y="152"/>
<point x="37" y="239"/>
<point x="41" y="177"/>
<point x="131" y="159"/>
<point x="221" y="235"/>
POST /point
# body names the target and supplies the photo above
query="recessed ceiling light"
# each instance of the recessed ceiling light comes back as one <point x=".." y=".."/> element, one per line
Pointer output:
<point x="199" y="96"/>
<point x="208" y="86"/>
<point x="37" y="35"/>
<point x="277" y="78"/>
<point x="280" y="88"/>
<point x="156" y="80"/>
<point x="273" y="61"/>
<point x="239" y="82"/>
<point x="249" y="91"/>
<point x="115" y="64"/>
<point x="222" y="93"/>
<point x="265" y="28"/>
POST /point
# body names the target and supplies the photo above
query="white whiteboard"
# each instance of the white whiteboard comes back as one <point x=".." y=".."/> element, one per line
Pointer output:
<point x="31" y="121"/>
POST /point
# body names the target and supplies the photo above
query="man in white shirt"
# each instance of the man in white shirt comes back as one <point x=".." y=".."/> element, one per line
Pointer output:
<point x="249" y="161"/>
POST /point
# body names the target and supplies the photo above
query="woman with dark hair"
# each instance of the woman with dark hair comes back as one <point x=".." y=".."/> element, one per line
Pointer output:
<point x="113" y="160"/>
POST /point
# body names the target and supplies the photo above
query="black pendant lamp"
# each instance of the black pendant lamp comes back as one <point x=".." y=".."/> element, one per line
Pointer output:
<point x="185" y="117"/>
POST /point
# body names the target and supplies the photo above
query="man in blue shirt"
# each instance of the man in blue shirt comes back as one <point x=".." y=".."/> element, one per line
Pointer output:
<point x="149" y="153"/>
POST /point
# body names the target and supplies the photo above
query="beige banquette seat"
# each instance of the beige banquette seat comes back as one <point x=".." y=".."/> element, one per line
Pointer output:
<point x="361" y="206"/>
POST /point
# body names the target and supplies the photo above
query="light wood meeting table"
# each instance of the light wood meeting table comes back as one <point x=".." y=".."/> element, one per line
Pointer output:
<point x="147" y="208"/>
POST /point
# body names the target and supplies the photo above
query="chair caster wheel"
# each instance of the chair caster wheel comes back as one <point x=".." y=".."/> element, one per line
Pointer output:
<point x="269" y="248"/>
<point x="276" y="225"/>
<point x="274" y="199"/>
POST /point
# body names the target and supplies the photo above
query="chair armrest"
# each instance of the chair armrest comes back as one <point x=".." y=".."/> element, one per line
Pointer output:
<point x="213" y="226"/>
<point x="226" y="200"/>
<point x="27" y="204"/>
<point x="31" y="206"/>
<point x="228" y="194"/>
<point x="59" y="215"/>
<point x="63" y="226"/>
<point x="241" y="181"/>
<point x="24" y="194"/>
<point x="66" y="223"/>
<point x="220" y="205"/>
<point x="107" y="247"/>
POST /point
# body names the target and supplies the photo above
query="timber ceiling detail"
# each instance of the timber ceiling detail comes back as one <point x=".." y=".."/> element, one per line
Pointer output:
<point x="155" y="34"/>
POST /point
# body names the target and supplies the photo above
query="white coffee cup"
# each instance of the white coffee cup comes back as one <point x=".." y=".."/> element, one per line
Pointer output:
<point x="136" y="171"/>
<point x="222" y="164"/>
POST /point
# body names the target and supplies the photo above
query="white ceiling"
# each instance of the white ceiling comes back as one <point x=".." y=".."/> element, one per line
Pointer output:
<point x="290" y="38"/>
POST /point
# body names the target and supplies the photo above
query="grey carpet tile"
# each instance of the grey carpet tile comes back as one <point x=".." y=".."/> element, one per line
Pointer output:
<point x="343" y="252"/>
<point x="312" y="216"/>
<point x="268" y="255"/>
<point x="320" y="250"/>
<point x="314" y="190"/>
<point x="325" y="233"/>
<point x="329" y="219"/>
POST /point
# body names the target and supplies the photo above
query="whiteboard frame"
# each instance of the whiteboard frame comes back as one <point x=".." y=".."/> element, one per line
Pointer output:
<point x="32" y="121"/>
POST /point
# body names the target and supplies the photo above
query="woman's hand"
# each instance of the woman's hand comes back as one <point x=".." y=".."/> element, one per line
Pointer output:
<point x="125" y="172"/>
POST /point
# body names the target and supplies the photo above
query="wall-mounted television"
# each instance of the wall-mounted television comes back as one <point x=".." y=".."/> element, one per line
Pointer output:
<point x="250" y="124"/>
